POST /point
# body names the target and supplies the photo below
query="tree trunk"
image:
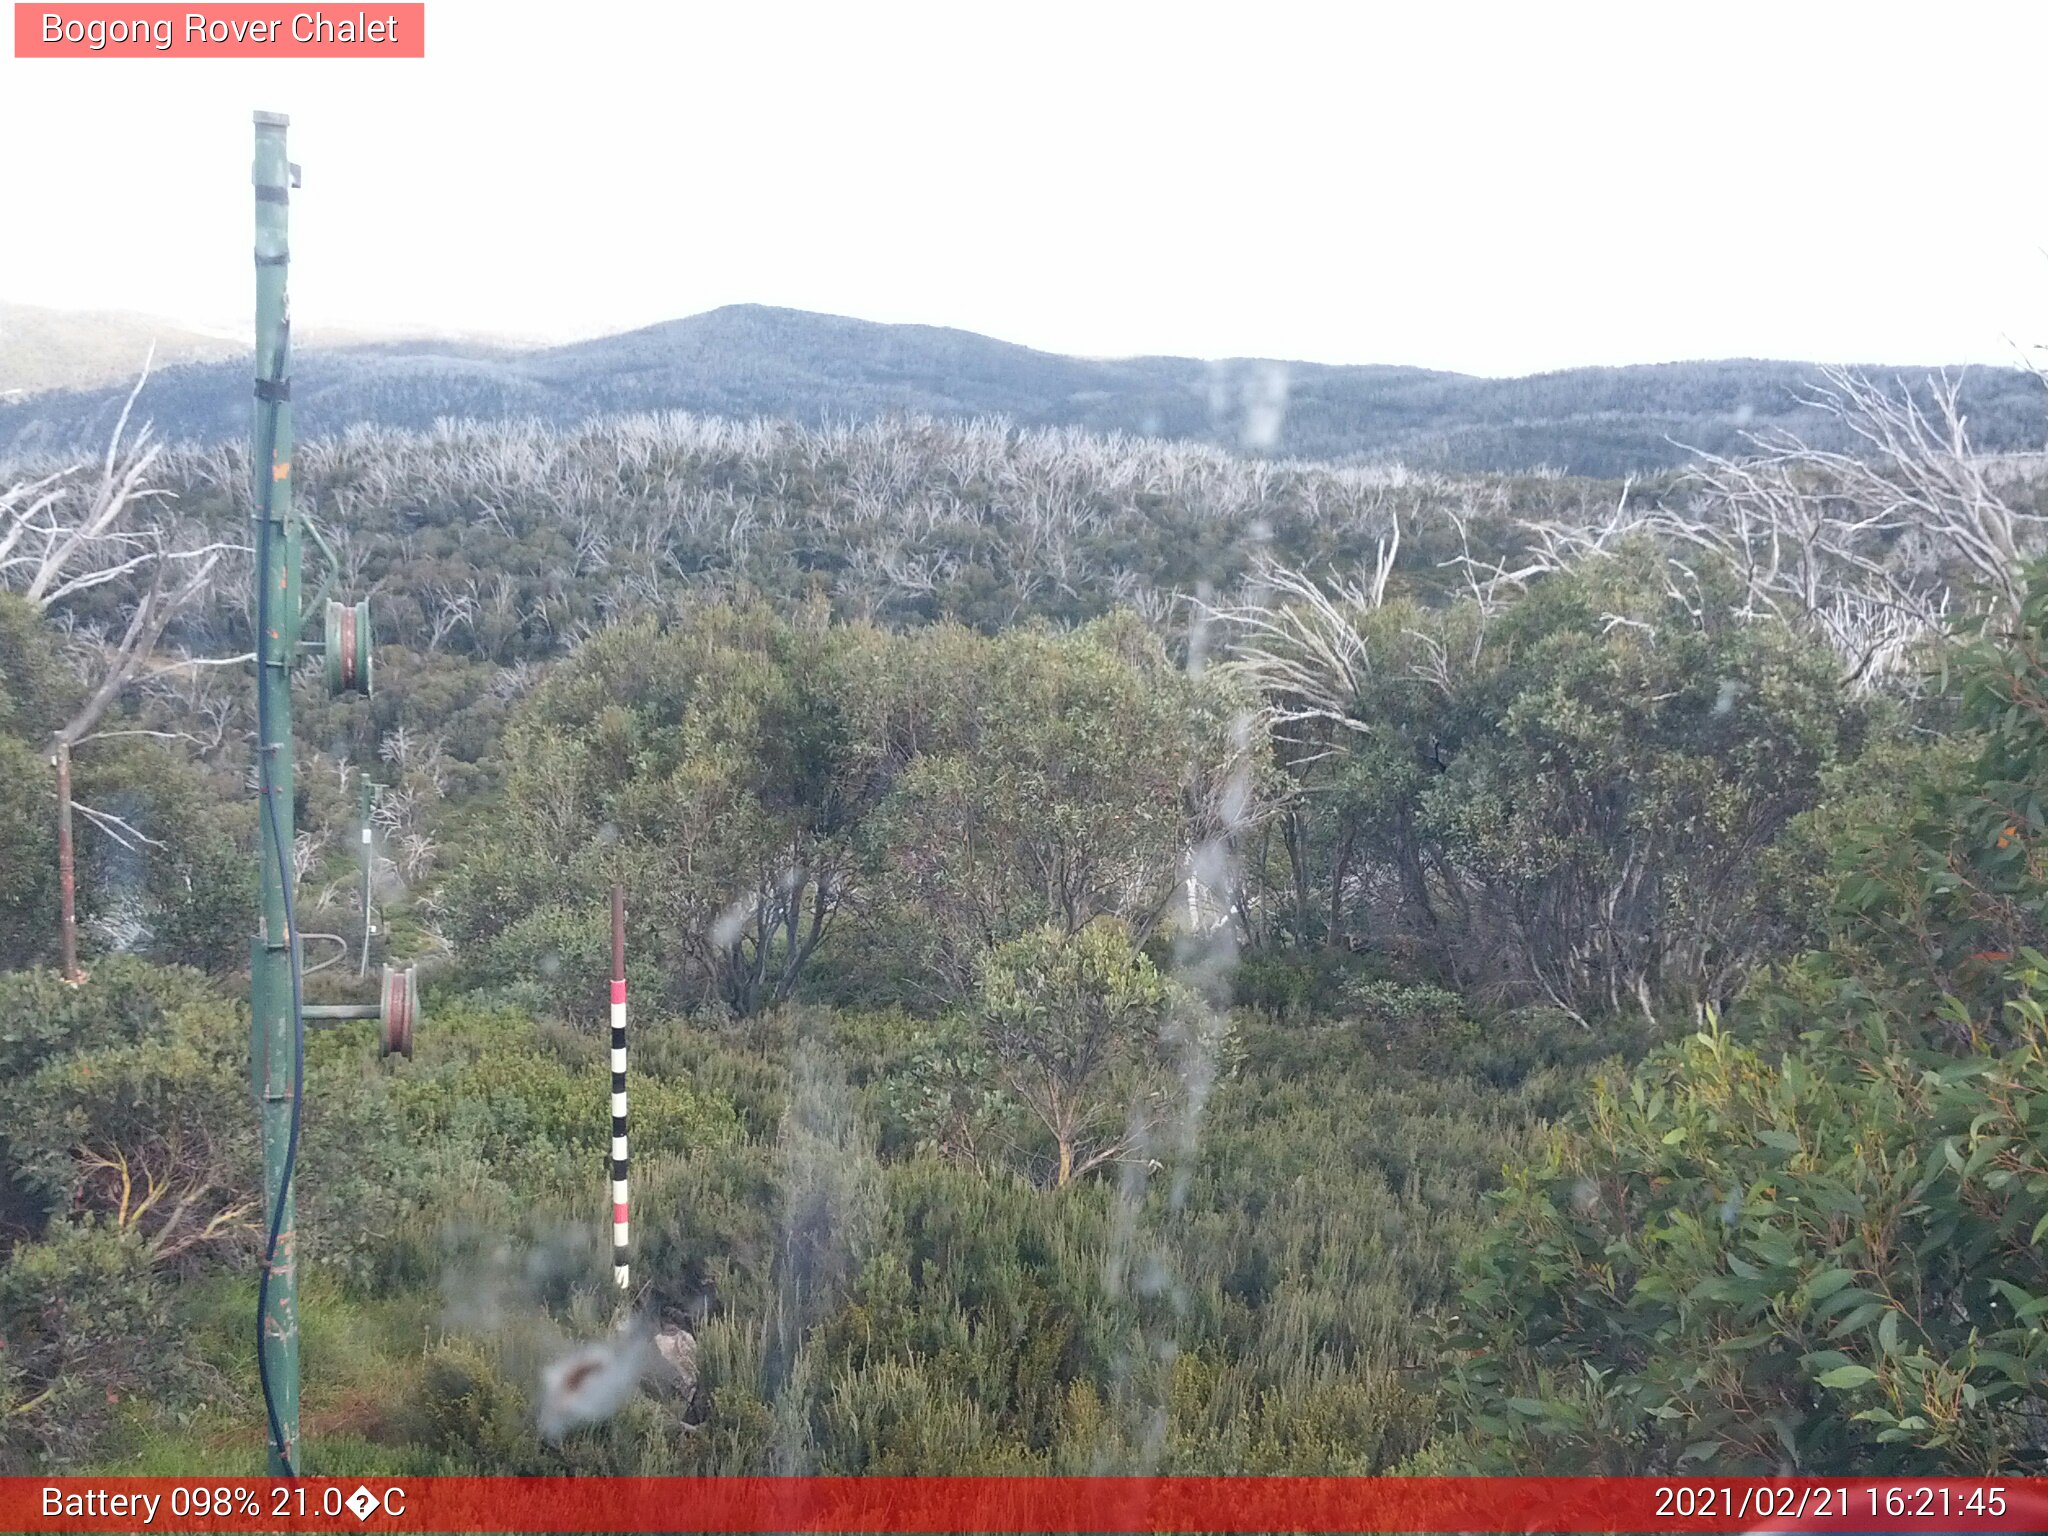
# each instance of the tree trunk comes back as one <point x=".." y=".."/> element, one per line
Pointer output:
<point x="67" y="868"/>
<point x="1337" y="938"/>
<point x="1414" y="878"/>
<point x="1294" y="829"/>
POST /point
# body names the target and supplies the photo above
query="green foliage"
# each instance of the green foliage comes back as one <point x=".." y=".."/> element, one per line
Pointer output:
<point x="87" y="1322"/>
<point x="1039" y="778"/>
<point x="71" y="1094"/>
<point x="153" y="1136"/>
<point x="463" y="1406"/>
<point x="944" y="1097"/>
<point x="1828" y="1262"/>
<point x="172" y="884"/>
<point x="1936" y="899"/>
<point x="36" y="689"/>
<point x="194" y="895"/>
<point x="1521" y="839"/>
<point x="481" y="1083"/>
<point x="751" y="779"/>
<point x="1571" y="799"/>
<point x="42" y="1016"/>
<point x="705" y="764"/>
<point x="1616" y="818"/>
<point x="1073" y="1025"/>
<point x="28" y="855"/>
<point x="857" y="1303"/>
<point x="1815" y="1242"/>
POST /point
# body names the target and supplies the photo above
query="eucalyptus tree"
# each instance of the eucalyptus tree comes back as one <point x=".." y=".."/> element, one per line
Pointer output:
<point x="1035" y="778"/>
<point x="1075" y="1024"/>
<point x="1563" y="786"/>
<point x="705" y="763"/>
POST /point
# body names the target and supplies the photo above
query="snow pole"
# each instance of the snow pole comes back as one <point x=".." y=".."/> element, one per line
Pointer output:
<point x="369" y="843"/>
<point x="621" y="1269"/>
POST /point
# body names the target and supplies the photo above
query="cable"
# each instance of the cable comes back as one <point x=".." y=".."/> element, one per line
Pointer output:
<point x="266" y="774"/>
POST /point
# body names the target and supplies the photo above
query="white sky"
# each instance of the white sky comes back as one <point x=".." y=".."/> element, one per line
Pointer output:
<point x="1491" y="188"/>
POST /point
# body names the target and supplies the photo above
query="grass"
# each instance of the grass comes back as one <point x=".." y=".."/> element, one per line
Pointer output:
<point x="358" y="1358"/>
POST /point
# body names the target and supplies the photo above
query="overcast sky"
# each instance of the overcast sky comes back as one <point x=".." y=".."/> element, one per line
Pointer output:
<point x="1491" y="188"/>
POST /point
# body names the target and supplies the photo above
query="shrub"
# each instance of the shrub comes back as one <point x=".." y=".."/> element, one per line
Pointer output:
<point x="87" y="1325"/>
<point x="139" y="1110"/>
<point x="42" y="1016"/>
<point x="1826" y="1262"/>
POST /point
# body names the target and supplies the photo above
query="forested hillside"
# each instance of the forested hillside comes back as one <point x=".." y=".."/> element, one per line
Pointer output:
<point x="749" y="360"/>
<point x="46" y="349"/>
<point x="1144" y="956"/>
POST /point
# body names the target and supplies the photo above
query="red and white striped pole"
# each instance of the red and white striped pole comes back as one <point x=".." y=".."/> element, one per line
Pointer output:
<point x="620" y="1267"/>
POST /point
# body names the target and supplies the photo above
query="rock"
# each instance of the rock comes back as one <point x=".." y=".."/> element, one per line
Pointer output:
<point x="674" y="1368"/>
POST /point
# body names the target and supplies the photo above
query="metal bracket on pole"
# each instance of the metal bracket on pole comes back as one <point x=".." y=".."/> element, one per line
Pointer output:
<point x="327" y="553"/>
<point x="396" y="1011"/>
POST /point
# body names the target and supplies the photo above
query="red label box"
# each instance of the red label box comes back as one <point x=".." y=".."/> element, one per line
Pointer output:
<point x="1106" y="1506"/>
<point x="362" y="31"/>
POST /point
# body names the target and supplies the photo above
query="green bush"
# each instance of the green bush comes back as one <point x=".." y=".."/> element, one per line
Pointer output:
<point x="42" y="1016"/>
<point x="157" y="1137"/>
<point x="1827" y="1262"/>
<point x="462" y="1406"/>
<point x="129" y="1098"/>
<point x="482" y="1080"/>
<point x="86" y="1320"/>
<point x="1290" y="983"/>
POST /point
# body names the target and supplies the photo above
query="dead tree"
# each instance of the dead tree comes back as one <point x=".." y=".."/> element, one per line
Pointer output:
<point x="1303" y="649"/>
<point x="1868" y="551"/>
<point x="72" y="532"/>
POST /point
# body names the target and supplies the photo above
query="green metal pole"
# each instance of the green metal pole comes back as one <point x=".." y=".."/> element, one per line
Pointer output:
<point x="274" y="1063"/>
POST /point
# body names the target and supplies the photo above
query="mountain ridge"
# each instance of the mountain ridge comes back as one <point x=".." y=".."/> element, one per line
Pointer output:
<point x="758" y="360"/>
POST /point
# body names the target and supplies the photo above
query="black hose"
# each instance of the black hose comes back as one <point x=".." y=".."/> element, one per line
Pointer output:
<point x="267" y="780"/>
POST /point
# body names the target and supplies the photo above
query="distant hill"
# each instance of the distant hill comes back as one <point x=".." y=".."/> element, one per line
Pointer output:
<point x="749" y="360"/>
<point x="43" y="349"/>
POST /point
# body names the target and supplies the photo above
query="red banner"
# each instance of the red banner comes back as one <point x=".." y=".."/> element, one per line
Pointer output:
<point x="374" y="31"/>
<point x="1110" y="1505"/>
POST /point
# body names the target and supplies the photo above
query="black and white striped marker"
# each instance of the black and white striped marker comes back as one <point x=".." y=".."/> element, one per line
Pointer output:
<point x="620" y="1265"/>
